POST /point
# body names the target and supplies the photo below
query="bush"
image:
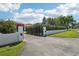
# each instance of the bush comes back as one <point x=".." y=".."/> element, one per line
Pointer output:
<point x="35" y="29"/>
<point x="7" y="26"/>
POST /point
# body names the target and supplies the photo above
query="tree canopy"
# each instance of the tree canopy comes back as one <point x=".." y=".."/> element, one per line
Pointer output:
<point x="8" y="26"/>
<point x="66" y="21"/>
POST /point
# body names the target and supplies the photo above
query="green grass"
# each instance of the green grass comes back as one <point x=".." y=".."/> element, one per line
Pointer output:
<point x="25" y="32"/>
<point x="11" y="50"/>
<point x="67" y="34"/>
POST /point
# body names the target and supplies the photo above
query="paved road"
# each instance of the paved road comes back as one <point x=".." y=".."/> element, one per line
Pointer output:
<point x="50" y="46"/>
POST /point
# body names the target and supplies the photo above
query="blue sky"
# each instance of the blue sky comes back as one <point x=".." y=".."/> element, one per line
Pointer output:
<point x="34" y="12"/>
<point x="39" y="5"/>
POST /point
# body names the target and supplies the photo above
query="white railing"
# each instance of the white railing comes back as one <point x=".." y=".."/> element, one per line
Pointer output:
<point x="9" y="38"/>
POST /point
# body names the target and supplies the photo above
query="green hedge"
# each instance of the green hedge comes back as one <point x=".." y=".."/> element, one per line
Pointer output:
<point x="7" y="26"/>
<point x="37" y="29"/>
<point x="52" y="27"/>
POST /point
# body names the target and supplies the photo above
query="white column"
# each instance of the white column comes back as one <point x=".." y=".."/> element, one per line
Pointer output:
<point x="20" y="30"/>
<point x="44" y="31"/>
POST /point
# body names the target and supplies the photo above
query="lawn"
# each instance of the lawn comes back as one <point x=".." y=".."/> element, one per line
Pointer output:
<point x="67" y="34"/>
<point x="11" y="50"/>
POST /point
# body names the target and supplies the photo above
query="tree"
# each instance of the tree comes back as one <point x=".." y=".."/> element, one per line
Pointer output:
<point x="68" y="20"/>
<point x="44" y="20"/>
<point x="49" y="21"/>
<point x="60" y="20"/>
<point x="73" y="23"/>
<point x="53" y="22"/>
<point x="65" y="21"/>
<point x="8" y="26"/>
<point x="76" y="25"/>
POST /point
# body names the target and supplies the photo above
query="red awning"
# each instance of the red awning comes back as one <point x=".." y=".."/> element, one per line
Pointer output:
<point x="19" y="24"/>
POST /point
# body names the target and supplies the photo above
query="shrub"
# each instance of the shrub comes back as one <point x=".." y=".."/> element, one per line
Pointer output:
<point x="7" y="26"/>
<point x="35" y="29"/>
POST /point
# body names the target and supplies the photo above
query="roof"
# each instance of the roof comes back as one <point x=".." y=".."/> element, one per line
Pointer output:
<point x="19" y="24"/>
<point x="22" y="24"/>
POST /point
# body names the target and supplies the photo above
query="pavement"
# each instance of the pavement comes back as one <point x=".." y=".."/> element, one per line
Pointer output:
<point x="50" y="46"/>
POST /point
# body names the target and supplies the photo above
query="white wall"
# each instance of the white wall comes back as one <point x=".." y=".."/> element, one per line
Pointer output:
<point x="20" y="29"/>
<point x="54" y="31"/>
<point x="9" y="38"/>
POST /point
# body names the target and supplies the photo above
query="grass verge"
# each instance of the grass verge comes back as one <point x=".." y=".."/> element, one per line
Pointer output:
<point x="11" y="50"/>
<point x="67" y="34"/>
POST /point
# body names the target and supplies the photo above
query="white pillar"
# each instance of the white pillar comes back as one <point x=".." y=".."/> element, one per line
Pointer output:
<point x="44" y="31"/>
<point x="20" y="30"/>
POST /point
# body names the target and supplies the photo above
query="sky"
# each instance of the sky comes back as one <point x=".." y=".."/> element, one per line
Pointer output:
<point x="34" y="12"/>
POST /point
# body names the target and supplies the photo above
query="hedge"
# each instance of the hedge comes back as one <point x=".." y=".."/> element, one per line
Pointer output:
<point x="7" y="26"/>
<point x="35" y="29"/>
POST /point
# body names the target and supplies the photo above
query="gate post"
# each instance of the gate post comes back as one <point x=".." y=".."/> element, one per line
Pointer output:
<point x="44" y="31"/>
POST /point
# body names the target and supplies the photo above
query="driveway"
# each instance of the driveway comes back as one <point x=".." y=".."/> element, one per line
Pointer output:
<point x="50" y="46"/>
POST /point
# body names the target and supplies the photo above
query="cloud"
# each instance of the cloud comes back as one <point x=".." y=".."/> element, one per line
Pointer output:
<point x="9" y="7"/>
<point x="64" y="9"/>
<point x="39" y="11"/>
<point x="29" y="10"/>
<point x="30" y="15"/>
<point x="35" y="15"/>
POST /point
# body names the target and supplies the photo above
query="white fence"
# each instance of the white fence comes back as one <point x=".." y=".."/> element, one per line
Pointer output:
<point x="9" y="38"/>
<point x="54" y="31"/>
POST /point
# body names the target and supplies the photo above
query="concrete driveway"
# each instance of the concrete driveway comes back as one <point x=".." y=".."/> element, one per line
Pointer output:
<point x="50" y="46"/>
